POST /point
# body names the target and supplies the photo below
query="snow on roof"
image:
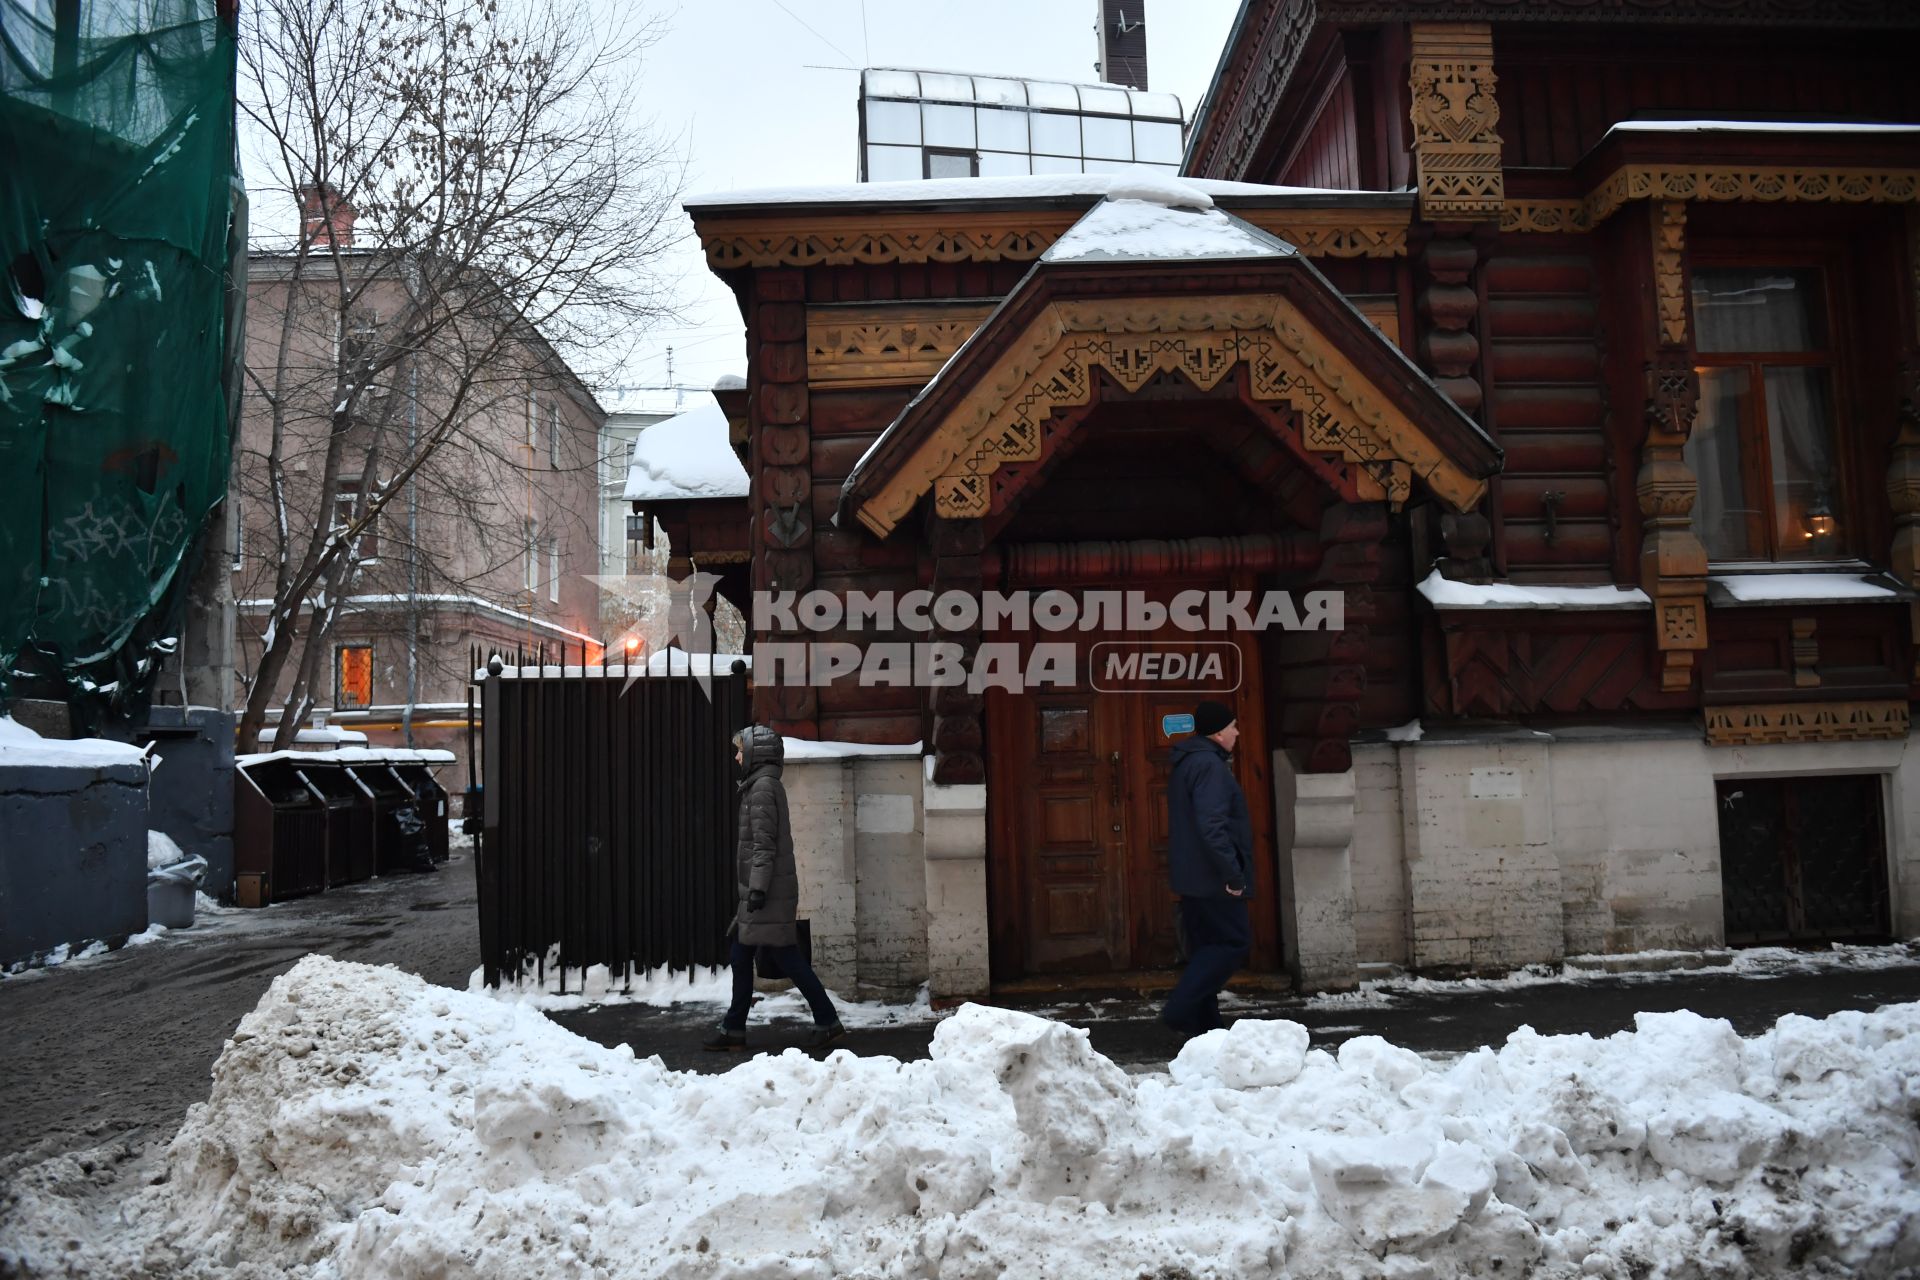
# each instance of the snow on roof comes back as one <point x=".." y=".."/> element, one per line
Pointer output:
<point x="686" y="457"/>
<point x="1447" y="594"/>
<point x="1803" y="588"/>
<point x="1022" y="187"/>
<point x="1757" y="126"/>
<point x="351" y="755"/>
<point x="659" y="401"/>
<point x="20" y="746"/>
<point x="1161" y="218"/>
<point x="730" y="382"/>
<point x="324" y="733"/>
<point x="817" y="749"/>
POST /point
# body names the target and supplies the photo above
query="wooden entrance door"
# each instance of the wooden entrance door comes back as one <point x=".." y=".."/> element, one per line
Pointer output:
<point x="1078" y="864"/>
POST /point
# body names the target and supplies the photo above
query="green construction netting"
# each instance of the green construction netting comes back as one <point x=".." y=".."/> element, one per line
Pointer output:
<point x="118" y="213"/>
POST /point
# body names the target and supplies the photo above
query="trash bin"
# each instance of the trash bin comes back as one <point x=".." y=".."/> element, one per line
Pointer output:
<point x="430" y="802"/>
<point x="398" y="843"/>
<point x="279" y="832"/>
<point x="349" y="823"/>
<point x="170" y="891"/>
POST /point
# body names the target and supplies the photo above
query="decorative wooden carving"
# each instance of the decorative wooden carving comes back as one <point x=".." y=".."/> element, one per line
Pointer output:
<point x="1669" y="275"/>
<point x="1758" y="184"/>
<point x="1466" y="537"/>
<point x="1806" y="653"/>
<point x="1761" y="724"/>
<point x="1050" y="367"/>
<point x="1455" y="145"/>
<point x="864" y="235"/>
<point x="1325" y="671"/>
<point x="1673" y="564"/>
<point x="884" y="344"/>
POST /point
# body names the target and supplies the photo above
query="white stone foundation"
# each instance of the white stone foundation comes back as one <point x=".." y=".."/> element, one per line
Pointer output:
<point x="1465" y="851"/>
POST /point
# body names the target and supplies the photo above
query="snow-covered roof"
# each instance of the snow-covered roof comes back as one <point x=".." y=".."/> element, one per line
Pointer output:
<point x="325" y="733"/>
<point x="686" y="456"/>
<point x="658" y="401"/>
<point x="351" y="755"/>
<point x="1445" y="593"/>
<point x="1020" y="187"/>
<point x="1161" y="218"/>
<point x="1757" y="126"/>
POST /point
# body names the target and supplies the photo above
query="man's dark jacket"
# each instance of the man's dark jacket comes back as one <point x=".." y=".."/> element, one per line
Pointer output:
<point x="1210" y="836"/>
<point x="763" y="858"/>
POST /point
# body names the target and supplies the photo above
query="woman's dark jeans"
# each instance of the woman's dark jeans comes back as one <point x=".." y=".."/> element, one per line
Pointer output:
<point x="794" y="965"/>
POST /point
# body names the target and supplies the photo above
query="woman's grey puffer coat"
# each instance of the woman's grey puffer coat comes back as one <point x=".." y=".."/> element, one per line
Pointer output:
<point x="763" y="858"/>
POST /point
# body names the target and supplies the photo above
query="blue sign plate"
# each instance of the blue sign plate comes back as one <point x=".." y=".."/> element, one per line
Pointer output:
<point x="1180" y="722"/>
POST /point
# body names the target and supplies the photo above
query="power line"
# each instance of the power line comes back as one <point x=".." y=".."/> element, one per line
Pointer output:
<point x="803" y="22"/>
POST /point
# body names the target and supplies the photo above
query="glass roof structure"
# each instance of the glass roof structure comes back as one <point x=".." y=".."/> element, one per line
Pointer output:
<point x="937" y="124"/>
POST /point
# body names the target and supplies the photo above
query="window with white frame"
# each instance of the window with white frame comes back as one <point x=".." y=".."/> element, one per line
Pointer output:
<point x="533" y="418"/>
<point x="553" y="434"/>
<point x="553" y="570"/>
<point x="533" y="555"/>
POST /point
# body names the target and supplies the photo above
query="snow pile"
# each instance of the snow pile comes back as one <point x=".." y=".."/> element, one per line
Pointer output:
<point x="686" y="456"/>
<point x="363" y="1123"/>
<point x="1445" y="593"/>
<point x="162" y="851"/>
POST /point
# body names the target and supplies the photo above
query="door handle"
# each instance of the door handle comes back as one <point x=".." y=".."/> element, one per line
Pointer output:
<point x="1113" y="788"/>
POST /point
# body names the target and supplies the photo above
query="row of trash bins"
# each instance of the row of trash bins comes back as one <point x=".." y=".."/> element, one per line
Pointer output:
<point x="306" y="821"/>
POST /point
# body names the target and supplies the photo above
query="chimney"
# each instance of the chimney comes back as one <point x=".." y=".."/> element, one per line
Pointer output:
<point x="319" y="206"/>
<point x="1123" y="42"/>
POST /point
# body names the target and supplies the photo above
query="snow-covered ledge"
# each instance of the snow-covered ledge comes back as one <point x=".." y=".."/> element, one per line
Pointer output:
<point x="1316" y="876"/>
<point x="955" y="849"/>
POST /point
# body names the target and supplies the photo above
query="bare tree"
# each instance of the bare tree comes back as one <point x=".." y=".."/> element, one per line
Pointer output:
<point x="478" y="203"/>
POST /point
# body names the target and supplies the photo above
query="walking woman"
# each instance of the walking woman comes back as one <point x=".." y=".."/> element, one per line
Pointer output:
<point x="769" y="894"/>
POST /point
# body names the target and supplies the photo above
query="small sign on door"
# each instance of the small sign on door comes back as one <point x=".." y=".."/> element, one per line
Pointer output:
<point x="1176" y="722"/>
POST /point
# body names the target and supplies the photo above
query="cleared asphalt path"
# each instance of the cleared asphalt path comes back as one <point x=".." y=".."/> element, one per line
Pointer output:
<point x="119" y="1046"/>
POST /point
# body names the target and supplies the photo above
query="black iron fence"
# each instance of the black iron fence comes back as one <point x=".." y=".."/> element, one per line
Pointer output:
<point x="608" y="815"/>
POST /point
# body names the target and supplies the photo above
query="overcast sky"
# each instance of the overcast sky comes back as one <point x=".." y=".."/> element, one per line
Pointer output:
<point x="762" y="93"/>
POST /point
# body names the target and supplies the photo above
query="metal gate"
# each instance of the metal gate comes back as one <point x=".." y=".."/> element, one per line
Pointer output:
<point x="1803" y="859"/>
<point x="608" y="828"/>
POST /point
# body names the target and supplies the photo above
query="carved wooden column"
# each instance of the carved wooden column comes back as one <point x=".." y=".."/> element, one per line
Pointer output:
<point x="1673" y="564"/>
<point x="958" y="737"/>
<point x="1462" y="188"/>
<point x="1456" y="149"/>
<point x="782" y="497"/>
<point x="1323" y="674"/>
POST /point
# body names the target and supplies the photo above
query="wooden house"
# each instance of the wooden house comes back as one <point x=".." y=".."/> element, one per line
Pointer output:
<point x="1576" y="345"/>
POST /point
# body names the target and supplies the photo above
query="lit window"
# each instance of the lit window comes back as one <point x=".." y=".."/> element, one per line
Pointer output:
<point x="1763" y="444"/>
<point x="354" y="682"/>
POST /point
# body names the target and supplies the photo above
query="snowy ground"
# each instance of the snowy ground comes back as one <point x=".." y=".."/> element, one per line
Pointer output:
<point x="364" y="1123"/>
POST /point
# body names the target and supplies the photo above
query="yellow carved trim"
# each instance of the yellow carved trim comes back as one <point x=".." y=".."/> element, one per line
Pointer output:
<point x="865" y="236"/>
<point x="1336" y="233"/>
<point x="1764" y="723"/>
<point x="703" y="558"/>
<point x="1669" y="246"/>
<point x="1383" y="313"/>
<point x="1051" y="365"/>
<point x="1455" y="144"/>
<point x="1763" y="184"/>
<point x="885" y="343"/>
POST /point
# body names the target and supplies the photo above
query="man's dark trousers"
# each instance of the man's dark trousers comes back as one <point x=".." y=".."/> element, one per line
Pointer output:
<point x="1218" y="935"/>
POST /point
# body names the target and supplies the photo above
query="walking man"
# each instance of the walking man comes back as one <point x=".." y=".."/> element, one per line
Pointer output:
<point x="769" y="893"/>
<point x="1210" y="861"/>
